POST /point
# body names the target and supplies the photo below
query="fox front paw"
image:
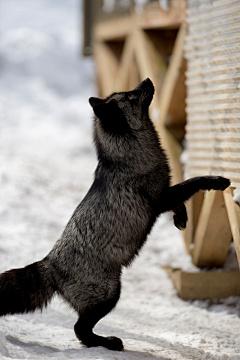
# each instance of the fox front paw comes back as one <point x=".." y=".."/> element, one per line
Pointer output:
<point x="180" y="217"/>
<point x="217" y="183"/>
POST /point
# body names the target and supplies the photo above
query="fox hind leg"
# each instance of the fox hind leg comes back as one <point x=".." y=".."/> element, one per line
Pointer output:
<point x="90" y="315"/>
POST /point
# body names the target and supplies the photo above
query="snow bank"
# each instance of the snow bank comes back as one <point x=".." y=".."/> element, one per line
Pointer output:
<point x="3" y="348"/>
<point x="47" y="162"/>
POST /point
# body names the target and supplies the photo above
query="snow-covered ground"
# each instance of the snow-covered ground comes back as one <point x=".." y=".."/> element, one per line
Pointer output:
<point x="47" y="162"/>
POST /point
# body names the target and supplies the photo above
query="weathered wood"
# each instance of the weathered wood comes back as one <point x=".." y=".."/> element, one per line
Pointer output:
<point x="106" y="67"/>
<point x="143" y="56"/>
<point x="111" y="29"/>
<point x="153" y="17"/>
<point x="149" y="62"/>
<point x="176" y="112"/>
<point x="134" y="78"/>
<point x="171" y="75"/>
<point x="122" y="76"/>
<point x="213" y="234"/>
<point x="233" y="211"/>
<point x="193" y="206"/>
<point x="173" y="148"/>
<point x="205" y="285"/>
<point x="174" y="151"/>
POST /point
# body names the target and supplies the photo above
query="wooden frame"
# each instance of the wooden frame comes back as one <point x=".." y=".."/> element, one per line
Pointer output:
<point x="205" y="285"/>
<point x="127" y="51"/>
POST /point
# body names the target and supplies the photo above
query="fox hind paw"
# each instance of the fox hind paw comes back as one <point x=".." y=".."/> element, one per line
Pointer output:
<point x="114" y="343"/>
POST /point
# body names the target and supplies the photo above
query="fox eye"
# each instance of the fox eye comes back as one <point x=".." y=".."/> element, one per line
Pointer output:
<point x="121" y="104"/>
<point x="131" y="97"/>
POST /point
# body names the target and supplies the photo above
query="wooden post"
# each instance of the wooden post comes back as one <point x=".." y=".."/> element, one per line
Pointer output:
<point x="194" y="206"/>
<point x="233" y="211"/>
<point x="107" y="67"/>
<point x="213" y="234"/>
<point x="122" y="77"/>
<point x="172" y="75"/>
<point x="205" y="285"/>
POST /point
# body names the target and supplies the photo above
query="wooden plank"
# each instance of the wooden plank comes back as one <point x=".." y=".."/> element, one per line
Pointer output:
<point x="134" y="78"/>
<point x="171" y="75"/>
<point x="150" y="63"/>
<point x="113" y="29"/>
<point x="153" y="17"/>
<point x="122" y="76"/>
<point x="143" y="57"/>
<point x="233" y="211"/>
<point x="176" y="112"/>
<point x="174" y="151"/>
<point x="193" y="206"/>
<point x="213" y="234"/>
<point x="106" y="68"/>
<point x="171" y="145"/>
<point x="205" y="285"/>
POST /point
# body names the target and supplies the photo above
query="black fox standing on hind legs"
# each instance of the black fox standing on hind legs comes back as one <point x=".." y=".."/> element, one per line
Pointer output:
<point x="108" y="228"/>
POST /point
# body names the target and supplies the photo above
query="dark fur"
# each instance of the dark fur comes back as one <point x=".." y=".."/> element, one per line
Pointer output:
<point x="130" y="190"/>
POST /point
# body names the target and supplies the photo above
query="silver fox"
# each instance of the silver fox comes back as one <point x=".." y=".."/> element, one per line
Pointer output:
<point x="131" y="188"/>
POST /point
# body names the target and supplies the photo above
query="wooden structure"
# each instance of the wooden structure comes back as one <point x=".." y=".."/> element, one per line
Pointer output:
<point x="158" y="44"/>
<point x="129" y="48"/>
<point x="205" y="285"/>
<point x="213" y="124"/>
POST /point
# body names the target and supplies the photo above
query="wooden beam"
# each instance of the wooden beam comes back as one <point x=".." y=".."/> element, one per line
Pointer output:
<point x="171" y="145"/>
<point x="205" y="285"/>
<point x="171" y="75"/>
<point x="122" y="76"/>
<point x="233" y="211"/>
<point x="134" y="78"/>
<point x="194" y="206"/>
<point x="176" y="111"/>
<point x="113" y="29"/>
<point x="213" y="234"/>
<point x="150" y="63"/>
<point x="153" y="17"/>
<point x="173" y="150"/>
<point x="106" y="68"/>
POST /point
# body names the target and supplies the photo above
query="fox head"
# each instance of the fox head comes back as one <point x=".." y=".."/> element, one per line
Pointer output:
<point x="122" y="127"/>
<point x="122" y="112"/>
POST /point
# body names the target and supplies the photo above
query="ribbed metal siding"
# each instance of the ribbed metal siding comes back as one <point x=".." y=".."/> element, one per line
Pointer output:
<point x="212" y="50"/>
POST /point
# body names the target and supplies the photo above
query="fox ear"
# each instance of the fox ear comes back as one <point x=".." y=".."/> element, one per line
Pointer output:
<point x="111" y="117"/>
<point x="102" y="111"/>
<point x="93" y="101"/>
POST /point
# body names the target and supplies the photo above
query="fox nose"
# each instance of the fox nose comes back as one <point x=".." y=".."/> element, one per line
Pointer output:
<point x="144" y="82"/>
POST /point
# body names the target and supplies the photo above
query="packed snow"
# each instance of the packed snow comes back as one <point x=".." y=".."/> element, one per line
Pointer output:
<point x="47" y="163"/>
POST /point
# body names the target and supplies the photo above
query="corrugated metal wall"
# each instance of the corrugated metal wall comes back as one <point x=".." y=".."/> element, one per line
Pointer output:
<point x="212" y="50"/>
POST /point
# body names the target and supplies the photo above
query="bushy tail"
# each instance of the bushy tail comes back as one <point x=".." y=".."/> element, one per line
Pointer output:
<point x="26" y="289"/>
